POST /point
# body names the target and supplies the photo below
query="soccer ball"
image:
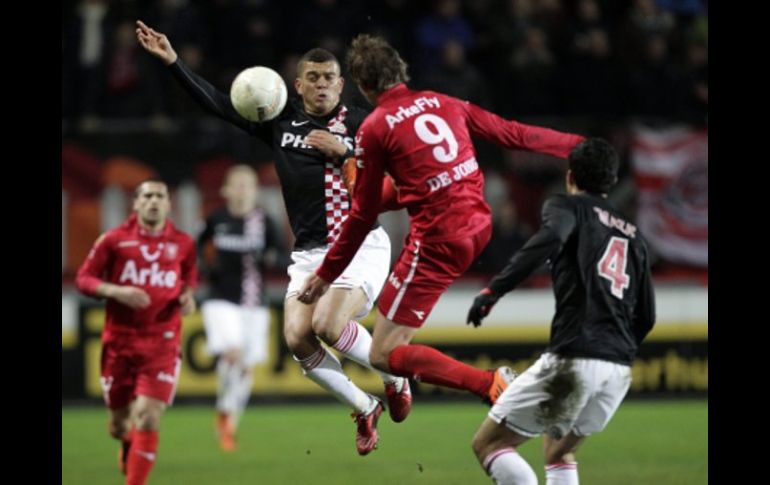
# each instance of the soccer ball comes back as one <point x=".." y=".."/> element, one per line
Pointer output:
<point x="258" y="94"/>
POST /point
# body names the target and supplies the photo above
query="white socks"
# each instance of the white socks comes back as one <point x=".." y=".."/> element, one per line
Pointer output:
<point x="507" y="467"/>
<point x="324" y="369"/>
<point x="234" y="388"/>
<point x="227" y="375"/>
<point x="561" y="474"/>
<point x="355" y="342"/>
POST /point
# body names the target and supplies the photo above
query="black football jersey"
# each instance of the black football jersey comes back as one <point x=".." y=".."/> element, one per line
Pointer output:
<point x="600" y="267"/>
<point x="311" y="182"/>
<point x="236" y="275"/>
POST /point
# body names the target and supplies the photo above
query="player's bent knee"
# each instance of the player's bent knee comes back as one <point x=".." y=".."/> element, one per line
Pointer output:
<point x="296" y="337"/>
<point x="118" y="428"/>
<point x="328" y="328"/>
<point x="480" y="445"/>
<point x="148" y="422"/>
<point x="301" y="342"/>
<point x="148" y="418"/>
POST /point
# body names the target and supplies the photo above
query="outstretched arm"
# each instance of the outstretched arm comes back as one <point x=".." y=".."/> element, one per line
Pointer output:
<point x="206" y="95"/>
<point x="515" y="135"/>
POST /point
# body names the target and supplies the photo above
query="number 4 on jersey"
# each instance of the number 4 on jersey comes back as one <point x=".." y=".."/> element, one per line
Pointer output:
<point x="612" y="266"/>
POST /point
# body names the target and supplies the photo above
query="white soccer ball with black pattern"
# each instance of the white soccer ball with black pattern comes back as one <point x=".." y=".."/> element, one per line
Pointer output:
<point x="258" y="94"/>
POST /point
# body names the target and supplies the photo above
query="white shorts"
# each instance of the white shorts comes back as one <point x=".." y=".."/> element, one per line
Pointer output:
<point x="368" y="269"/>
<point x="229" y="325"/>
<point x="561" y="394"/>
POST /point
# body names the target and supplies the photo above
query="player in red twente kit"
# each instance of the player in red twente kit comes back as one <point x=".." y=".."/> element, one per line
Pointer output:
<point x="145" y="269"/>
<point x="422" y="139"/>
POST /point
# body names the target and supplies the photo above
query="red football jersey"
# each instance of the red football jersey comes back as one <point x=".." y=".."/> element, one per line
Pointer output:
<point x="162" y="265"/>
<point x="422" y="139"/>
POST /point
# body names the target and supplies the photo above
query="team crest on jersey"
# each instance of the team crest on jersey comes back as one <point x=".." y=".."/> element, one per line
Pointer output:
<point x="338" y="127"/>
<point x="150" y="256"/>
<point x="171" y="250"/>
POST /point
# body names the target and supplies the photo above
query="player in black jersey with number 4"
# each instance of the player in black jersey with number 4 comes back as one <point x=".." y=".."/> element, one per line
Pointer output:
<point x="605" y="307"/>
<point x="310" y="139"/>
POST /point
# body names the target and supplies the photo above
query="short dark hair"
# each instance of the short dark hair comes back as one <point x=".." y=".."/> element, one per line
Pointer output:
<point x="374" y="64"/>
<point x="153" y="180"/>
<point x="594" y="164"/>
<point x="316" y="55"/>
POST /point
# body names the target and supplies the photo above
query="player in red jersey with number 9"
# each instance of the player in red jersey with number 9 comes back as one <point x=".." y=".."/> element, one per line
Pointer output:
<point x="422" y="139"/>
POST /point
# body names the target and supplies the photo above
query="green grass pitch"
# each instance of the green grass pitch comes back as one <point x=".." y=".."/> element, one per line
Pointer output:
<point x="647" y="442"/>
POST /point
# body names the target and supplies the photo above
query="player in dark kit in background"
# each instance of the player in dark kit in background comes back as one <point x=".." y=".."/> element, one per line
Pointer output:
<point x="605" y="307"/>
<point x="310" y="139"/>
<point x="422" y="139"/>
<point x="146" y="270"/>
<point x="235" y="313"/>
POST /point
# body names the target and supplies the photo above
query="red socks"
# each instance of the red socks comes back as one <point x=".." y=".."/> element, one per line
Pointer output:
<point x="144" y="445"/>
<point x="427" y="364"/>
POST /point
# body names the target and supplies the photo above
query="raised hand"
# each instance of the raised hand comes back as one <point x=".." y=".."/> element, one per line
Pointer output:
<point x="313" y="289"/>
<point x="326" y="143"/>
<point x="155" y="43"/>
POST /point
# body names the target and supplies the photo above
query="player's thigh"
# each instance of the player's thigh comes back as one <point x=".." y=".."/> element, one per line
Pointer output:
<point x="367" y="270"/>
<point x="423" y="272"/>
<point x="118" y="375"/>
<point x="145" y="404"/>
<point x="118" y="421"/>
<point x="304" y="264"/>
<point x="256" y="331"/>
<point x="158" y="372"/>
<point x="297" y="324"/>
<point x="147" y="411"/>
<point x="388" y="335"/>
<point x="223" y="323"/>
<point x="120" y="414"/>
<point x="611" y="382"/>
<point x="492" y="436"/>
<point x="453" y="258"/>
<point x="336" y="307"/>
<point x="414" y="286"/>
